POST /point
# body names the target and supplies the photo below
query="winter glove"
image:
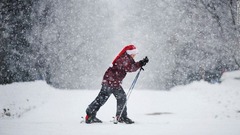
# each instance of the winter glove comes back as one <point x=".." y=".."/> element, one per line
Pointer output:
<point x="144" y="61"/>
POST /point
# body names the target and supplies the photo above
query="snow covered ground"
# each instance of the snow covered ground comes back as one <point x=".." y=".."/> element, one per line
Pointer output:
<point x="199" y="108"/>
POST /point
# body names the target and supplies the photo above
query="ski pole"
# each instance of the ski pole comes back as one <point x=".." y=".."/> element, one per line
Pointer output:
<point x="128" y="94"/>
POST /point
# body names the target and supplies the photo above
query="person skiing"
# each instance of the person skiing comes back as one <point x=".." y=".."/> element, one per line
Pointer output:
<point x="111" y="84"/>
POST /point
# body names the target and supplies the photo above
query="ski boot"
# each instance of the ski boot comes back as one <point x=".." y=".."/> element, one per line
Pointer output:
<point x="92" y="119"/>
<point x="124" y="119"/>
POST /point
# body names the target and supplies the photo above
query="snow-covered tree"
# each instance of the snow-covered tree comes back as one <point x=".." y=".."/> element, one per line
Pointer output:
<point x="16" y="52"/>
<point x="207" y="40"/>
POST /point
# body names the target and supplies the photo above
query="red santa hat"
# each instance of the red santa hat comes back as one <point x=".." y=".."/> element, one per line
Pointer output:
<point x="129" y="49"/>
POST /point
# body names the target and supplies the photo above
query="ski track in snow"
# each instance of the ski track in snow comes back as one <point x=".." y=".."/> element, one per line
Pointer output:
<point x="199" y="108"/>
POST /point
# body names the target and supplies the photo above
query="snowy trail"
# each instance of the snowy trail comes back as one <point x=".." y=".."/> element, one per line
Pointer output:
<point x="199" y="108"/>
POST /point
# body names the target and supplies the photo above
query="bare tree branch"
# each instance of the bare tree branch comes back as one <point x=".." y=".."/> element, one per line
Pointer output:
<point x="236" y="62"/>
<point x="215" y="16"/>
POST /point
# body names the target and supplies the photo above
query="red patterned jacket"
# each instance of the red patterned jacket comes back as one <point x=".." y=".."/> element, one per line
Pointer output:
<point x="114" y="75"/>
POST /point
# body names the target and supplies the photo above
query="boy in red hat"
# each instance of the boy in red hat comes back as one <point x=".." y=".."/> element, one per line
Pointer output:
<point x="111" y="84"/>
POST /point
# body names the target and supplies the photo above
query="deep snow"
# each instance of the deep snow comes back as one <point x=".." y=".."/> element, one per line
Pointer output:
<point x="199" y="108"/>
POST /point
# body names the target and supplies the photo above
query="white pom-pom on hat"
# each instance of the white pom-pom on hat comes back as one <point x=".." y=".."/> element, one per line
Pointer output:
<point x="133" y="51"/>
